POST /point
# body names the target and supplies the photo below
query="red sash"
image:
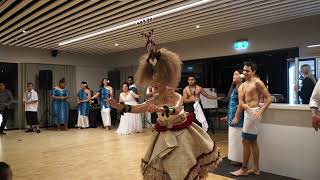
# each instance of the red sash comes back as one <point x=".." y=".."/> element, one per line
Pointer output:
<point x="177" y="127"/>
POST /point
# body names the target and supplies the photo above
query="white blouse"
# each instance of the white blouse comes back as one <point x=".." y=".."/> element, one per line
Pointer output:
<point x="315" y="97"/>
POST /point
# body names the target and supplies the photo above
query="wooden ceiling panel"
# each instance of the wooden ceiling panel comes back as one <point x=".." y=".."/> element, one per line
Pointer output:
<point x="50" y="22"/>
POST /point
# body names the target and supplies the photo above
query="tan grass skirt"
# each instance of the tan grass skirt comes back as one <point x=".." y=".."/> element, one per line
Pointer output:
<point x="176" y="155"/>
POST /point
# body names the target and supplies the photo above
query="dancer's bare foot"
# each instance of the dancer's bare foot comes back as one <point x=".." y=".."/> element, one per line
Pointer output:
<point x="240" y="172"/>
<point x="254" y="171"/>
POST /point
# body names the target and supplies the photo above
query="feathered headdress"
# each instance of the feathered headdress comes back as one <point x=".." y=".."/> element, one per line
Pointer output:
<point x="154" y="53"/>
<point x="160" y="64"/>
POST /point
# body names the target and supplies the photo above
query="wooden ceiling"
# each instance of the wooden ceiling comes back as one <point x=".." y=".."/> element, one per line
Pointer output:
<point x="50" y="22"/>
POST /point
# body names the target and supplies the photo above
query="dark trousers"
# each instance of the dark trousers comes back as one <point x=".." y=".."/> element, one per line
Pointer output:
<point x="32" y="118"/>
<point x="4" y="120"/>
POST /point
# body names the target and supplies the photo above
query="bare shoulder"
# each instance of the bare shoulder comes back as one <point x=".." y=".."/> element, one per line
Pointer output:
<point x="241" y="86"/>
<point x="177" y="95"/>
<point x="109" y="87"/>
<point x="258" y="82"/>
<point x="185" y="90"/>
<point x="199" y="87"/>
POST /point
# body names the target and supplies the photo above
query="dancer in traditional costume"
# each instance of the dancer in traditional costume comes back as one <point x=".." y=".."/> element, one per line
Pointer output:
<point x="105" y="92"/>
<point x="192" y="103"/>
<point x="83" y="99"/>
<point x="179" y="148"/>
<point x="129" y="122"/>
<point x="60" y="105"/>
<point x="235" y="121"/>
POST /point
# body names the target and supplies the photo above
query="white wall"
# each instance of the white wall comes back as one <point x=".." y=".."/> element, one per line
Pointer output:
<point x="32" y="55"/>
<point x="289" y="151"/>
<point x="92" y="75"/>
<point x="90" y="68"/>
<point x="294" y="33"/>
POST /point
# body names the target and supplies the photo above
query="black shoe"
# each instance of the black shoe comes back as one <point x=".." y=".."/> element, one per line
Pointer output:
<point x="3" y="133"/>
<point x="29" y="130"/>
<point x="38" y="131"/>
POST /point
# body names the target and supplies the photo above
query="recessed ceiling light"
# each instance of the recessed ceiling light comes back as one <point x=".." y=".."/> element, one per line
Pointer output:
<point x="146" y="19"/>
<point x="316" y="45"/>
<point x="116" y="44"/>
<point x="197" y="26"/>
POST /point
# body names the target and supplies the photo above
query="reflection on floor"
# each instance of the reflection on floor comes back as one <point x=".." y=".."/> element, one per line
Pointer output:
<point x="80" y="154"/>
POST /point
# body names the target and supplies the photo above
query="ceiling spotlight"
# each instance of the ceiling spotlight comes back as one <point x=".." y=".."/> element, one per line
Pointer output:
<point x="197" y="26"/>
<point x="116" y="44"/>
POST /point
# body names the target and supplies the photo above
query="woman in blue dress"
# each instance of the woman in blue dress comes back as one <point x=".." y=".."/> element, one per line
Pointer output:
<point x="83" y="99"/>
<point x="104" y="93"/>
<point x="235" y="121"/>
<point x="60" y="106"/>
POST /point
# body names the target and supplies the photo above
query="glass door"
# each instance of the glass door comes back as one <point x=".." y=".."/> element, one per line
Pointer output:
<point x="292" y="75"/>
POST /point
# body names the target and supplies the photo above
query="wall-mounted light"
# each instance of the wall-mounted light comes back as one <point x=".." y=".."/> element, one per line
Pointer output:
<point x="240" y="44"/>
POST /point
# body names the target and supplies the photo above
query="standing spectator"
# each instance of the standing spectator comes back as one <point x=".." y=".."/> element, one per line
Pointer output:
<point x="60" y="106"/>
<point x="132" y="86"/>
<point x="105" y="92"/>
<point x="83" y="99"/>
<point x="30" y="100"/>
<point x="6" y="99"/>
<point x="129" y="122"/>
<point x="308" y="83"/>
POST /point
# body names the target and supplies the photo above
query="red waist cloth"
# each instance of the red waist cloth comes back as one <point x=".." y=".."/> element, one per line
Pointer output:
<point x="177" y="127"/>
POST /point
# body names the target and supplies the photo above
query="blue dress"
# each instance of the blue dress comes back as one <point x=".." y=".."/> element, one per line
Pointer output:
<point x="60" y="108"/>
<point x="104" y="96"/>
<point x="232" y="109"/>
<point x="83" y="108"/>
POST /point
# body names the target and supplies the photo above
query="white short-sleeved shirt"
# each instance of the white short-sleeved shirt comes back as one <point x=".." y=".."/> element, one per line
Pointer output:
<point x="31" y="96"/>
<point x="315" y="97"/>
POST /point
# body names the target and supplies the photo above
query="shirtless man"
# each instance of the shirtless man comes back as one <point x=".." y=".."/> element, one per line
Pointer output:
<point x="249" y="93"/>
<point x="191" y="94"/>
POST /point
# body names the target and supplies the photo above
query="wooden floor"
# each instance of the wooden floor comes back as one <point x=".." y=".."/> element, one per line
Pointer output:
<point x="80" y="154"/>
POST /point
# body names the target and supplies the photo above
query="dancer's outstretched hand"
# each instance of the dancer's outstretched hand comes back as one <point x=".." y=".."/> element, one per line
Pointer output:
<point x="224" y="119"/>
<point x="113" y="103"/>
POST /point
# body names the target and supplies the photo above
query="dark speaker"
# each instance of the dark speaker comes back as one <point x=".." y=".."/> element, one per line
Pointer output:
<point x="114" y="77"/>
<point x="45" y="79"/>
<point x="54" y="53"/>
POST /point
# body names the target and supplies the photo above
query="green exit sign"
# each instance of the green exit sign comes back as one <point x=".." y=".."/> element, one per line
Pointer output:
<point x="238" y="45"/>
